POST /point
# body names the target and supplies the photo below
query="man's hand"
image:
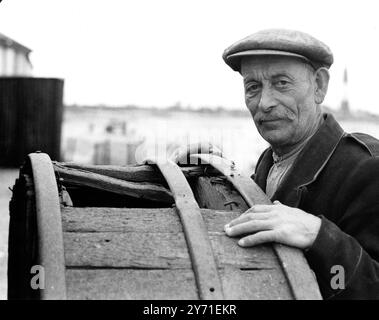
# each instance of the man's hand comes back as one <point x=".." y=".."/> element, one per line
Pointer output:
<point x="275" y="223"/>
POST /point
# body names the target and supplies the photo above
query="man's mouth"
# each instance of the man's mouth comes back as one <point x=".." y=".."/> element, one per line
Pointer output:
<point x="262" y="121"/>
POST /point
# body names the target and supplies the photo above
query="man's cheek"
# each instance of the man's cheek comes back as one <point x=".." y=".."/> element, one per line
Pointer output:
<point x="251" y="106"/>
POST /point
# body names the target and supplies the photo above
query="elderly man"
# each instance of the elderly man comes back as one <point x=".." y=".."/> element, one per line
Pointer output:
<point x="324" y="182"/>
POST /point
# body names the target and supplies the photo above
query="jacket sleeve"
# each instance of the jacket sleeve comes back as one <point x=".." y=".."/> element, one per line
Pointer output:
<point x="345" y="254"/>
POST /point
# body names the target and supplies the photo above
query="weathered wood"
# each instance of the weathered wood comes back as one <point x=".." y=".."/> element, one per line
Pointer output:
<point x="50" y="239"/>
<point x="254" y="284"/>
<point x="172" y="284"/>
<point x="199" y="246"/>
<point x="246" y="187"/>
<point x="116" y="284"/>
<point x="137" y="224"/>
<point x="137" y="173"/>
<point x="216" y="193"/>
<point x="301" y="280"/>
<point x="142" y="190"/>
<point x="300" y="277"/>
<point x="142" y="253"/>
<point x="137" y="219"/>
<point x="158" y="243"/>
<point x="127" y="250"/>
<point x="120" y="220"/>
<point x="155" y="251"/>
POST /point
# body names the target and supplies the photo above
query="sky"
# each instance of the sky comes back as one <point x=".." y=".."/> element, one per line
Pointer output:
<point x="159" y="53"/>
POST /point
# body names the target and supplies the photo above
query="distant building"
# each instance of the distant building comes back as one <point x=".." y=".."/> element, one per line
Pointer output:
<point x="14" y="58"/>
<point x="345" y="105"/>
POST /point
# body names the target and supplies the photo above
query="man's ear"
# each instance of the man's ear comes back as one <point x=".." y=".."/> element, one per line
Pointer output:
<point x="322" y="82"/>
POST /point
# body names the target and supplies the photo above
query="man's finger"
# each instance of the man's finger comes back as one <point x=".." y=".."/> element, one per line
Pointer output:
<point x="259" y="208"/>
<point x="250" y="226"/>
<point x="258" y="238"/>
<point x="248" y="217"/>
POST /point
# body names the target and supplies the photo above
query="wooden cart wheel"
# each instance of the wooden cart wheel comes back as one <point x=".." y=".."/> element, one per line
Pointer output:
<point x="90" y="249"/>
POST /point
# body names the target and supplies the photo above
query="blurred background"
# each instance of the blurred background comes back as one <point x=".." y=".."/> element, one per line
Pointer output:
<point x="108" y="83"/>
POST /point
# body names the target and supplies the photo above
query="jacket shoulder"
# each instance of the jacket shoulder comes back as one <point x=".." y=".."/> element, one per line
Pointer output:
<point x="368" y="142"/>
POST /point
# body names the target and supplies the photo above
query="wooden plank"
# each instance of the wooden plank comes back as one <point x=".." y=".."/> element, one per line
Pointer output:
<point x="87" y="219"/>
<point x="129" y="250"/>
<point x="228" y="253"/>
<point x="255" y="284"/>
<point x="137" y="173"/>
<point x="156" y="251"/>
<point x="178" y="284"/>
<point x="216" y="193"/>
<point x="115" y="284"/>
<point x="142" y="190"/>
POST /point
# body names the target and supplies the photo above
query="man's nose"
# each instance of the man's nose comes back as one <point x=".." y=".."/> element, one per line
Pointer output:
<point x="267" y="101"/>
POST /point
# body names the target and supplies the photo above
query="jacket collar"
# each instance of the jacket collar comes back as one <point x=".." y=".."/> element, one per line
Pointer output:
<point x="307" y="166"/>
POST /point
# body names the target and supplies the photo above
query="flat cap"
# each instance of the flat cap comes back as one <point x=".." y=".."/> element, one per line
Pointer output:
<point x="279" y="42"/>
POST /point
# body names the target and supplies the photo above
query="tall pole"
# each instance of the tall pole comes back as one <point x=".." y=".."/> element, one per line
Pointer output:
<point x="345" y="106"/>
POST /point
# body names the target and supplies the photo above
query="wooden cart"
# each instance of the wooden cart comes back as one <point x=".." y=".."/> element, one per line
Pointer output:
<point x="152" y="231"/>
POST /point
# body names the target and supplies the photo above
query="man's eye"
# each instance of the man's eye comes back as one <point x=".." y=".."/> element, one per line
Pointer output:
<point x="253" y="88"/>
<point x="282" y="83"/>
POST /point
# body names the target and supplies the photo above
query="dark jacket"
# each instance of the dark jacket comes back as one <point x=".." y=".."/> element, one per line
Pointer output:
<point x="336" y="177"/>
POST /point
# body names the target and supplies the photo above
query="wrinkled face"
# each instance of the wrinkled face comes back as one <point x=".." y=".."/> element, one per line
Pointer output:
<point x="280" y="95"/>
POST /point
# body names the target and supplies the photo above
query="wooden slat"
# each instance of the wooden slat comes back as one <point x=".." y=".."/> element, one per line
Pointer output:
<point x="127" y="250"/>
<point x="131" y="284"/>
<point x="261" y="284"/>
<point x="154" y="220"/>
<point x="137" y="173"/>
<point x="200" y="249"/>
<point x="89" y="219"/>
<point x="228" y="253"/>
<point x="142" y="190"/>
<point x="156" y="251"/>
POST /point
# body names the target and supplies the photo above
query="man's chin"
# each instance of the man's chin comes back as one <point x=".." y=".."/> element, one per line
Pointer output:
<point x="276" y="138"/>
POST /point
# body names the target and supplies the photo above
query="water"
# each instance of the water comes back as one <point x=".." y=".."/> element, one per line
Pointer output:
<point x="162" y="132"/>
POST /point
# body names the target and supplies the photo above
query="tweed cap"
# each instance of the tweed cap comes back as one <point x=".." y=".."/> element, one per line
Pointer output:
<point x="279" y="42"/>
